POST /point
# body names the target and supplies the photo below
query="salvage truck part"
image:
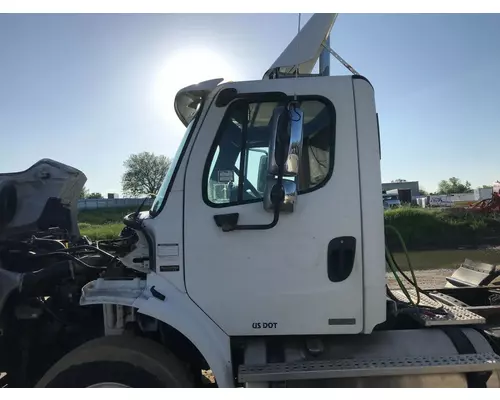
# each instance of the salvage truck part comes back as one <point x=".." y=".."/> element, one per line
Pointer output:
<point x="252" y="262"/>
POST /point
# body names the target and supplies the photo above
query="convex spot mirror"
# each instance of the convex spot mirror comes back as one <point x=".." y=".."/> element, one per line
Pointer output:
<point x="285" y="148"/>
<point x="285" y="195"/>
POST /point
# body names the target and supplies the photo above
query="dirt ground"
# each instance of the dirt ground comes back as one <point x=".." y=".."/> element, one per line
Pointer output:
<point x="429" y="278"/>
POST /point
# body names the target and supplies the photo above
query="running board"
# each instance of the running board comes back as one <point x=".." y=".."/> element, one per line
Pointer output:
<point x="357" y="368"/>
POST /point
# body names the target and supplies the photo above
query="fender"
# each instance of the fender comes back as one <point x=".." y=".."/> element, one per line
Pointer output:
<point x="175" y="309"/>
<point x="179" y="311"/>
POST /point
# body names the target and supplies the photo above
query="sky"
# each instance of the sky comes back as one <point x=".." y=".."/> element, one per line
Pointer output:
<point x="89" y="90"/>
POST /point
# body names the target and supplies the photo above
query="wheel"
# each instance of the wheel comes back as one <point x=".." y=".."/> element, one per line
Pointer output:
<point x="117" y="361"/>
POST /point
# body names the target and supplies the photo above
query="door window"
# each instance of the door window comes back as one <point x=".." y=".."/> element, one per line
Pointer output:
<point x="236" y="170"/>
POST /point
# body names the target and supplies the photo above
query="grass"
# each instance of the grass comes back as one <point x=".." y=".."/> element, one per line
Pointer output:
<point x="427" y="229"/>
<point x="104" y="223"/>
<point x="432" y="236"/>
<point x="103" y="216"/>
<point x="446" y="259"/>
<point x="100" y="232"/>
<point x="421" y="229"/>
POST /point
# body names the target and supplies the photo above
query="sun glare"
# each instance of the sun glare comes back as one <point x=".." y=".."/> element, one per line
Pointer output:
<point x="184" y="68"/>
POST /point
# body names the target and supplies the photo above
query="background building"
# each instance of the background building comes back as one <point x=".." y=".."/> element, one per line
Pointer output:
<point x="412" y="185"/>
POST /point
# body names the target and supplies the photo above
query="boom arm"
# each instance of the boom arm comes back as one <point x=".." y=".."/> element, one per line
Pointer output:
<point x="305" y="49"/>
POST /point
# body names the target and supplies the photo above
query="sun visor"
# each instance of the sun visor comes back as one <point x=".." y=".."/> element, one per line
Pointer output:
<point x="188" y="99"/>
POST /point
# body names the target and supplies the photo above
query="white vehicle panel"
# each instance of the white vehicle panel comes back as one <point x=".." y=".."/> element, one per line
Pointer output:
<point x="278" y="277"/>
<point x="371" y="208"/>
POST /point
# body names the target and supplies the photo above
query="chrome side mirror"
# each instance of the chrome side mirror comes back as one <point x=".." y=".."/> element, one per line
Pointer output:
<point x="286" y="136"/>
<point x="278" y="140"/>
<point x="284" y="194"/>
<point x="285" y="148"/>
<point x="292" y="161"/>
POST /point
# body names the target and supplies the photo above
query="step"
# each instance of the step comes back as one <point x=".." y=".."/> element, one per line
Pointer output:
<point x="446" y="299"/>
<point x="353" y="368"/>
<point x="456" y="315"/>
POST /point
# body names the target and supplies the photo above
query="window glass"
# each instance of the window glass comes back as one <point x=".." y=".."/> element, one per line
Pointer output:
<point x="237" y="168"/>
<point x="160" y="196"/>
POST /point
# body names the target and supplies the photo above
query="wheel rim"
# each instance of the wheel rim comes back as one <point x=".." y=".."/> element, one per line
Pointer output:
<point x="101" y="385"/>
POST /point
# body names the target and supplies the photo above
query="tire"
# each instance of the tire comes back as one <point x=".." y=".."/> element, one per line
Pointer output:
<point x="117" y="361"/>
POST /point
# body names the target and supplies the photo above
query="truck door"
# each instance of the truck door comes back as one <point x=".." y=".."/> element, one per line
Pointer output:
<point x="304" y="275"/>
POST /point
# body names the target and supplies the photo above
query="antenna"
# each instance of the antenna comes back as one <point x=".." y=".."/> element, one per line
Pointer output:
<point x="297" y="65"/>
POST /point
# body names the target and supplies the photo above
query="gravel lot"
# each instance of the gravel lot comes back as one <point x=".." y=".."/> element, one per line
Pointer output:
<point x="429" y="278"/>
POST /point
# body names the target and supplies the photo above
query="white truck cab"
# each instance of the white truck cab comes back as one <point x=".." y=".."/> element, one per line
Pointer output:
<point x="212" y="234"/>
<point x="261" y="259"/>
<point x="247" y="279"/>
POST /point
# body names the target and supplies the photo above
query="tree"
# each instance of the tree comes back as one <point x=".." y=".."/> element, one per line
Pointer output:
<point x="454" y="185"/>
<point x="144" y="173"/>
<point x="84" y="193"/>
<point x="423" y="192"/>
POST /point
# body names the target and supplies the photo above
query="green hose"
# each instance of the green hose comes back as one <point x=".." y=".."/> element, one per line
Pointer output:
<point x="395" y="268"/>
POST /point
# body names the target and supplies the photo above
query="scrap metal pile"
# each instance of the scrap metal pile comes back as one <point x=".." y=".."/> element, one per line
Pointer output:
<point x="490" y="205"/>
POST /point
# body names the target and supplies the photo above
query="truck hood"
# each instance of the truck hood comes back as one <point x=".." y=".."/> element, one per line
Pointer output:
<point x="41" y="197"/>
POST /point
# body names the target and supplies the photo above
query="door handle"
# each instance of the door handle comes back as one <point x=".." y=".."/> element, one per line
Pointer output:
<point x="340" y="258"/>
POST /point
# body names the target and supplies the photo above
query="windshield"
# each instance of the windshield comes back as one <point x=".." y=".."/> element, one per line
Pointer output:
<point x="160" y="196"/>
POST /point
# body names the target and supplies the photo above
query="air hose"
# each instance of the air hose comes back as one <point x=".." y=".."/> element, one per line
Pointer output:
<point x="395" y="267"/>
